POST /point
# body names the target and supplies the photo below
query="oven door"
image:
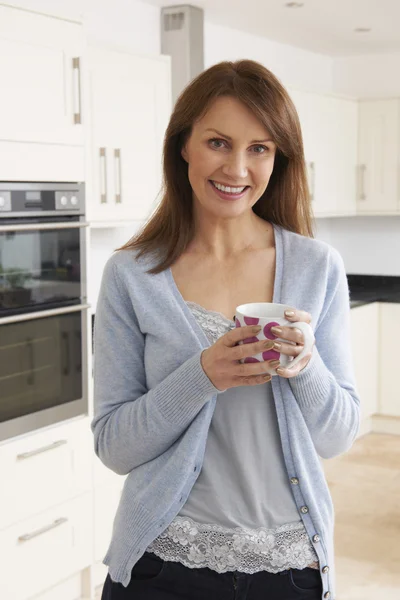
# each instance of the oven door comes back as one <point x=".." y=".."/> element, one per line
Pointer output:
<point x="41" y="263"/>
<point x="43" y="369"/>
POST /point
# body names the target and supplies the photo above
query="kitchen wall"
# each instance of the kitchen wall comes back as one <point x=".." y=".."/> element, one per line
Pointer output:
<point x="136" y="26"/>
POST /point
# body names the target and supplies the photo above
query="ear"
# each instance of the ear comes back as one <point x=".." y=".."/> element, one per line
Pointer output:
<point x="184" y="153"/>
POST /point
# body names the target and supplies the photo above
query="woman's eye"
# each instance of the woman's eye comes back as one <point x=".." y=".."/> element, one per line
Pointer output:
<point x="214" y="143"/>
<point x="261" y="149"/>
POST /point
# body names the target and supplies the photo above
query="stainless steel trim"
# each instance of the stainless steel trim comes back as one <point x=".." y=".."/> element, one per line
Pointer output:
<point x="118" y="180"/>
<point x="43" y="226"/>
<point x="31" y="453"/>
<point x="29" y="536"/>
<point x="44" y="313"/>
<point x="103" y="176"/>
<point x="363" y="195"/>
<point x="76" y="65"/>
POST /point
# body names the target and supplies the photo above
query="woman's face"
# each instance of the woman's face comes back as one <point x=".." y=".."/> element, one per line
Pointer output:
<point x="231" y="150"/>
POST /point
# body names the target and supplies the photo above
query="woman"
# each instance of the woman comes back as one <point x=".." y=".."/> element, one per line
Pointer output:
<point x="225" y="495"/>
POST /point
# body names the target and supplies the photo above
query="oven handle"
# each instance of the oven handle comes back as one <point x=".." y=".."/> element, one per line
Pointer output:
<point x="40" y="226"/>
<point x="44" y="313"/>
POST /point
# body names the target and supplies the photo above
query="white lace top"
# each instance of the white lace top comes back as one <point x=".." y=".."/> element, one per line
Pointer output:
<point x="240" y="514"/>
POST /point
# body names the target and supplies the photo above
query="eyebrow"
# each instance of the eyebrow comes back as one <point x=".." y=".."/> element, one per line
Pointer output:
<point x="230" y="139"/>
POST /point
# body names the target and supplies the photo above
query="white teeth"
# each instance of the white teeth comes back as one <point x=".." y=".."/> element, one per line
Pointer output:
<point x="229" y="190"/>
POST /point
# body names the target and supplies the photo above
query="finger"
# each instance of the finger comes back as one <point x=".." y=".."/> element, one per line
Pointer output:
<point x="251" y="348"/>
<point x="289" y="333"/>
<point x="289" y="349"/>
<point x="240" y="333"/>
<point x="298" y="315"/>
<point x="288" y="372"/>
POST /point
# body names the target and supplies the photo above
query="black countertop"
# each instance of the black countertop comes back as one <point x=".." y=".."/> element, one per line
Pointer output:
<point x="365" y="289"/>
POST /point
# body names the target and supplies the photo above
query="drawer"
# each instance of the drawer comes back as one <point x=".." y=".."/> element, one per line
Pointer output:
<point x="45" y="469"/>
<point x="106" y="499"/>
<point x="41" y="551"/>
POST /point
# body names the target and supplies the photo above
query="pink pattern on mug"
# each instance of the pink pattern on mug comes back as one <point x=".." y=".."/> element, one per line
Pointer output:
<point x="267" y="330"/>
<point x="251" y="320"/>
<point x="271" y="355"/>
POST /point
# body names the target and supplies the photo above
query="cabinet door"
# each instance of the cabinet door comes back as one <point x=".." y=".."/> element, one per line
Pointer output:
<point x="40" y="75"/>
<point x="389" y="392"/>
<point x="365" y="350"/>
<point x="329" y="127"/>
<point x="130" y="106"/>
<point x="43" y="550"/>
<point x="379" y="148"/>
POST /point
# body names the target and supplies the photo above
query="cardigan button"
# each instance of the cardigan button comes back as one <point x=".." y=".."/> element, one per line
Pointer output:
<point x="327" y="595"/>
<point x="304" y="509"/>
<point x="316" y="538"/>
<point x="325" y="569"/>
<point x="294" y="480"/>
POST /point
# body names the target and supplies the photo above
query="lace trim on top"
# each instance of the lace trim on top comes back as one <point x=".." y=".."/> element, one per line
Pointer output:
<point x="213" y="323"/>
<point x="221" y="549"/>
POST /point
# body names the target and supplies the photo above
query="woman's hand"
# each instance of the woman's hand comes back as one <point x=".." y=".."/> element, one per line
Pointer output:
<point x="221" y="364"/>
<point x="293" y="335"/>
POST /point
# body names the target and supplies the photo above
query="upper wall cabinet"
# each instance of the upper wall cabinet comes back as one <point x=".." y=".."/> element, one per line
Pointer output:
<point x="40" y="74"/>
<point x="129" y="104"/>
<point x="379" y="156"/>
<point x="329" y="128"/>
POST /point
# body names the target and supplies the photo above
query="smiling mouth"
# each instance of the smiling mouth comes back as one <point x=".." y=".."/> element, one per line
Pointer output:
<point x="229" y="189"/>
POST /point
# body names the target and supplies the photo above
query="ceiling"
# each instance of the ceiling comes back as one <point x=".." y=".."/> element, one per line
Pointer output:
<point x="323" y="26"/>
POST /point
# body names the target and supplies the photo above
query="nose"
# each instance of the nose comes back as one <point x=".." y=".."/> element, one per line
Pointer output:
<point x="235" y="166"/>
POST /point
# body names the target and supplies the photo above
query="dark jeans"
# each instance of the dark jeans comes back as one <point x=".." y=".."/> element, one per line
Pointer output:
<point x="155" y="579"/>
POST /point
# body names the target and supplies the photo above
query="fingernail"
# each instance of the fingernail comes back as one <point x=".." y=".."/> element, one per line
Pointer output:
<point x="279" y="370"/>
<point x="274" y="363"/>
<point x="289" y="313"/>
<point x="277" y="346"/>
<point x="256" y="329"/>
<point x="268" y="344"/>
<point x="276" y="330"/>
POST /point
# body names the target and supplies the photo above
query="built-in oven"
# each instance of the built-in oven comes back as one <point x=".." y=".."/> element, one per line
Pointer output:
<point x="43" y="307"/>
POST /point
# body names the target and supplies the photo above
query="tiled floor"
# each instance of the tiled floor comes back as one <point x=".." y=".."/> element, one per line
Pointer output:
<point x="365" y="487"/>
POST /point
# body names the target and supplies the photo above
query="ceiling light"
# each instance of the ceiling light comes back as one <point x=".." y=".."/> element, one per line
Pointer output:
<point x="362" y="29"/>
<point x="294" y="4"/>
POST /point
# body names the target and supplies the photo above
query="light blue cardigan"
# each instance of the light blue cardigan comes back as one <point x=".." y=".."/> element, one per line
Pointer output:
<point x="154" y="403"/>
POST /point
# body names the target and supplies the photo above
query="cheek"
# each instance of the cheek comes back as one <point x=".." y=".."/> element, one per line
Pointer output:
<point x="264" y="173"/>
<point x="203" y="164"/>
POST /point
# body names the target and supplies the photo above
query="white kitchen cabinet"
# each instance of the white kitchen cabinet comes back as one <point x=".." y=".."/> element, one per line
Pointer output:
<point x="41" y="551"/>
<point x="44" y="469"/>
<point x="129" y="102"/>
<point x="40" y="74"/>
<point x="389" y="391"/>
<point x="379" y="157"/>
<point x="329" y="128"/>
<point x="365" y="350"/>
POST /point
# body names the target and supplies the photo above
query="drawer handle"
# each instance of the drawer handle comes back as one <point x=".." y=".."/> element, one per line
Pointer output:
<point x="25" y="455"/>
<point x="30" y="536"/>
<point x="76" y="66"/>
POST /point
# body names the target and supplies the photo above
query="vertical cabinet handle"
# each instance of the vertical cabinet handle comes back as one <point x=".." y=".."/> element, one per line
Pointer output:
<point x="118" y="175"/>
<point x="76" y="66"/>
<point x="103" y="176"/>
<point x="311" y="167"/>
<point x="362" y="182"/>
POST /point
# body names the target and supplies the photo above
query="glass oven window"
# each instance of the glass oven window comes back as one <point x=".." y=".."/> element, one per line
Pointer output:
<point x="39" y="269"/>
<point x="40" y="364"/>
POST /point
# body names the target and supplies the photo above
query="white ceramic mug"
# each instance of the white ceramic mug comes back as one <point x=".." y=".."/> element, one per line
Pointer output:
<point x="267" y="315"/>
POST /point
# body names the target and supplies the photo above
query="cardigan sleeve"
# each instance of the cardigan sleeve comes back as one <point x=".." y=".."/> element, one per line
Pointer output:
<point x="131" y="424"/>
<point x="325" y="389"/>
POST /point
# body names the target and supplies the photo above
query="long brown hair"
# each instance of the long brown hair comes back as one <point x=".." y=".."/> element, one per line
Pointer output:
<point x="285" y="202"/>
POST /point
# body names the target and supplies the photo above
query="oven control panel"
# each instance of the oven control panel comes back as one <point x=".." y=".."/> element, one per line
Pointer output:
<point x="24" y="199"/>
